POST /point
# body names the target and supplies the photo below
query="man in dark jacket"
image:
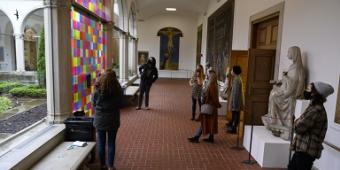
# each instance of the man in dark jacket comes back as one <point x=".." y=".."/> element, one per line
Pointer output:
<point x="310" y="128"/>
<point x="149" y="74"/>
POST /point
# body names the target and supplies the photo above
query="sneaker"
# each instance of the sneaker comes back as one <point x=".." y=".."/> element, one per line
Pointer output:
<point x="137" y="108"/>
<point x="147" y="108"/>
<point x="193" y="139"/>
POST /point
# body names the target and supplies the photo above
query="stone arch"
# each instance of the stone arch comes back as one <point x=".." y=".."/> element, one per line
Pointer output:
<point x="28" y="17"/>
<point x="132" y="20"/>
<point x="32" y="27"/>
<point x="7" y="50"/>
<point x="118" y="13"/>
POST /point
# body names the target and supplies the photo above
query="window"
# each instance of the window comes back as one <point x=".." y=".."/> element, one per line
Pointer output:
<point x="7" y="55"/>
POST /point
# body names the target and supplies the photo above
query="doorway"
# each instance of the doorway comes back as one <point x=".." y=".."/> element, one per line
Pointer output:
<point x="264" y="43"/>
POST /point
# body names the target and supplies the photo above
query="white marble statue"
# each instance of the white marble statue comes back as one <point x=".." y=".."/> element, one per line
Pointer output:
<point x="283" y="96"/>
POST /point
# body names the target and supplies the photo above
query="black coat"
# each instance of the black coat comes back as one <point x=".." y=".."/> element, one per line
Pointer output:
<point x="149" y="74"/>
<point x="107" y="109"/>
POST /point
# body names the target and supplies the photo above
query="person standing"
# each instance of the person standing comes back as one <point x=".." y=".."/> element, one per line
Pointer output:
<point x="149" y="74"/>
<point x="209" y="124"/>
<point x="107" y="103"/>
<point x="310" y="128"/>
<point x="196" y="83"/>
<point x="236" y="102"/>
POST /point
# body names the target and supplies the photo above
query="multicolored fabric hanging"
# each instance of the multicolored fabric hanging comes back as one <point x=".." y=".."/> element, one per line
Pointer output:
<point x="88" y="58"/>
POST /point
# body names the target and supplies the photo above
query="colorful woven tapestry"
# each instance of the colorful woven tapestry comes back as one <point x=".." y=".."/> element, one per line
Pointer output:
<point x="88" y="58"/>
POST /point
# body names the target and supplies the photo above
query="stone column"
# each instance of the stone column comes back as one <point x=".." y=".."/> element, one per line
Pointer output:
<point x="126" y="57"/>
<point x="58" y="59"/>
<point x="108" y="27"/>
<point x="19" y="50"/>
<point x="124" y="51"/>
<point x="136" y="57"/>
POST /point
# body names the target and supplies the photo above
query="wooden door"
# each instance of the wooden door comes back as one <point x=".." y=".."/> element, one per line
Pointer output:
<point x="260" y="72"/>
<point x="265" y="33"/>
<point x="240" y="58"/>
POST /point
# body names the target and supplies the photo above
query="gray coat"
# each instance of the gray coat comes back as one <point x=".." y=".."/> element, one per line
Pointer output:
<point x="236" y="95"/>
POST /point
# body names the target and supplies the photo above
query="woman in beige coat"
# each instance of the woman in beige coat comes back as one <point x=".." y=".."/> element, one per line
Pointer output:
<point x="209" y="124"/>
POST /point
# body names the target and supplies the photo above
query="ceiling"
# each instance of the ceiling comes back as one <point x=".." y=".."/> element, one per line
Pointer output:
<point x="150" y="8"/>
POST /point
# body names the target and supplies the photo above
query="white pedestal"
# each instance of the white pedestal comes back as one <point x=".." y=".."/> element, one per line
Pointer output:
<point x="223" y="110"/>
<point x="269" y="151"/>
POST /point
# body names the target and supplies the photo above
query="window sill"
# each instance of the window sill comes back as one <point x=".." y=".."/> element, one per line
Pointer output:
<point x="39" y="140"/>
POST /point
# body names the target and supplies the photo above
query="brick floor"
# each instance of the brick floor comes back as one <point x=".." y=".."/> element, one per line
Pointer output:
<point x="157" y="138"/>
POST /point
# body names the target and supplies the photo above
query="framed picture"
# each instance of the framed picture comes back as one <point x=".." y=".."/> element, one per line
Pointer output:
<point x="143" y="57"/>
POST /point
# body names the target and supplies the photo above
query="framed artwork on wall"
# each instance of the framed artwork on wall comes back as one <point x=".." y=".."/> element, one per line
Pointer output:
<point x="169" y="48"/>
<point x="143" y="57"/>
<point x="337" y="111"/>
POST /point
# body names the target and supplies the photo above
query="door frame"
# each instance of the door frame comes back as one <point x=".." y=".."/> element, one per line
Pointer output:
<point x="276" y="10"/>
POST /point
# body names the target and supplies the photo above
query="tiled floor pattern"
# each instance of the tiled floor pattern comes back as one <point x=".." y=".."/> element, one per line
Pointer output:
<point x="157" y="138"/>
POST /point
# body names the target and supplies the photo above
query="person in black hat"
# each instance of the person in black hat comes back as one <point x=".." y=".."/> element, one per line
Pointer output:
<point x="149" y="74"/>
<point x="310" y="128"/>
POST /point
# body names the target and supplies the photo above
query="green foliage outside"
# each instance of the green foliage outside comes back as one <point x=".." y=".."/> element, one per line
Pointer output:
<point x="41" y="69"/>
<point x="28" y="91"/>
<point x="6" y="86"/>
<point x="5" y="104"/>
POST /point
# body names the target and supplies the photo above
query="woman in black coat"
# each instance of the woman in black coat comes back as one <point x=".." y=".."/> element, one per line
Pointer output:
<point x="107" y="102"/>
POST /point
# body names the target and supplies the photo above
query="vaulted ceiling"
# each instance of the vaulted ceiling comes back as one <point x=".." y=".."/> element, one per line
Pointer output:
<point x="150" y="8"/>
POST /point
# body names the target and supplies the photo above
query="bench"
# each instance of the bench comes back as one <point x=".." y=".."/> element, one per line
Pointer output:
<point x="63" y="158"/>
<point x="130" y="92"/>
<point x="136" y="82"/>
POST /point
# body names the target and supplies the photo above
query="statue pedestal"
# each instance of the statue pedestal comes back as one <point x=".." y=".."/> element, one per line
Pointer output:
<point x="269" y="151"/>
<point x="224" y="104"/>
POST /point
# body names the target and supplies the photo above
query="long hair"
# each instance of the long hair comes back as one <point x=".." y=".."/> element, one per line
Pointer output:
<point x="211" y="93"/>
<point x="108" y="84"/>
<point x="296" y="57"/>
<point x="201" y="70"/>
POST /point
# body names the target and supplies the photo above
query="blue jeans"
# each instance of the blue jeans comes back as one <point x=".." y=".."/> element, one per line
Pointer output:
<point x="111" y="142"/>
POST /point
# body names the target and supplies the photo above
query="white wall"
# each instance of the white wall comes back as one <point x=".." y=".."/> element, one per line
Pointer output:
<point x="149" y="41"/>
<point x="314" y="26"/>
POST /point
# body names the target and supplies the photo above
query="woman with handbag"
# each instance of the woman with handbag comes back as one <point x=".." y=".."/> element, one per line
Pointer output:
<point x="208" y="116"/>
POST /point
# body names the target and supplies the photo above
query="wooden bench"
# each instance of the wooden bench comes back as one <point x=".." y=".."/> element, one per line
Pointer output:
<point x="64" y="158"/>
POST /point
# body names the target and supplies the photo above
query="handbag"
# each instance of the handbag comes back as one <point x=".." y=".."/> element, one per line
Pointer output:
<point x="207" y="109"/>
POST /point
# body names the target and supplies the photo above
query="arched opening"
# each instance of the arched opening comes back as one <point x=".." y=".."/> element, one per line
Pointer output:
<point x="132" y="20"/>
<point x="32" y="27"/>
<point x="7" y="44"/>
<point x="118" y="19"/>
<point x="132" y="67"/>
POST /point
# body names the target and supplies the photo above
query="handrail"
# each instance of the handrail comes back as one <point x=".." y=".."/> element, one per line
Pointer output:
<point x="332" y="146"/>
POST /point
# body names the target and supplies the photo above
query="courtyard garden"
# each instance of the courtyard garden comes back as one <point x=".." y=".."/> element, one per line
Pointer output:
<point x="20" y="106"/>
